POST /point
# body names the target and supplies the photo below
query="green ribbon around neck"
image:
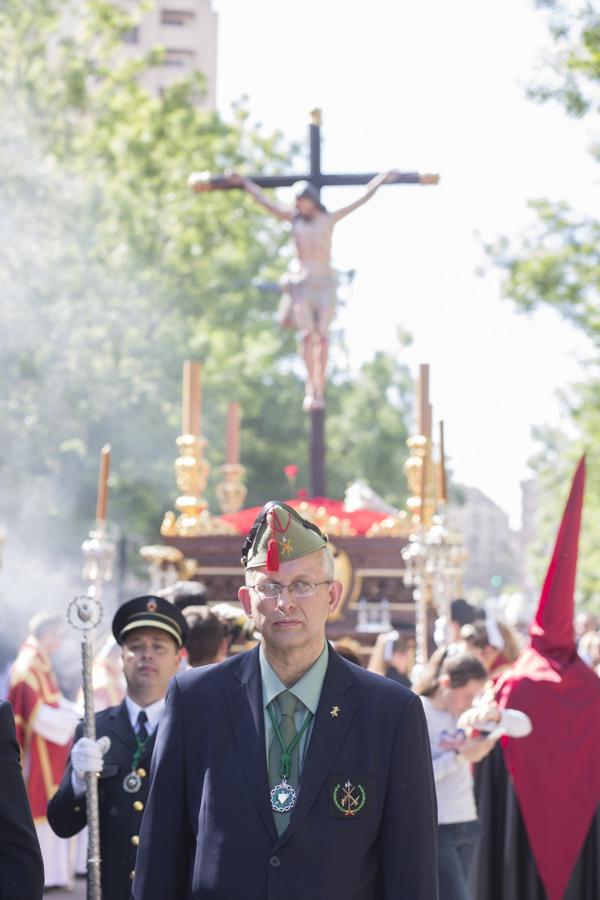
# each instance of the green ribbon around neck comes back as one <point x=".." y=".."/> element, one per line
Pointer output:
<point x="287" y="750"/>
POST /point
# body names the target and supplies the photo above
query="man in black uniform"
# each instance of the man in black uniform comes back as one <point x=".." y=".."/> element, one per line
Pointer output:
<point x="21" y="866"/>
<point x="151" y="632"/>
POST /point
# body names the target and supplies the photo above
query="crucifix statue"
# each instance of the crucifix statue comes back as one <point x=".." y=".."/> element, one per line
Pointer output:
<point x="310" y="286"/>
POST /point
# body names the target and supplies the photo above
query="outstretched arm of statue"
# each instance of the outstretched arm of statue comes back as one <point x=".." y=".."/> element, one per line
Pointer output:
<point x="253" y="189"/>
<point x="370" y="189"/>
<point x="200" y="182"/>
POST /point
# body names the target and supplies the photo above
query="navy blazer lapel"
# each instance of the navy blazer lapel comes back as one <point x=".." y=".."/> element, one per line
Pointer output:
<point x="121" y="726"/>
<point x="247" y="718"/>
<point x="328" y="734"/>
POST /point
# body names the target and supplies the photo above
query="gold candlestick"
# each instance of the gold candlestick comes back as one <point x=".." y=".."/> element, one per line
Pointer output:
<point x="191" y="475"/>
<point x="231" y="492"/>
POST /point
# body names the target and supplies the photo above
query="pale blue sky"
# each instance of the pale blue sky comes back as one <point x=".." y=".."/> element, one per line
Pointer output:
<point x="433" y="86"/>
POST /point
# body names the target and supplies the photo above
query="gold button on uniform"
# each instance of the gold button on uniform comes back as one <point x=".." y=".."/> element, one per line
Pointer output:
<point x="142" y="773"/>
<point x="135" y="840"/>
<point x="132" y="874"/>
<point x="138" y="805"/>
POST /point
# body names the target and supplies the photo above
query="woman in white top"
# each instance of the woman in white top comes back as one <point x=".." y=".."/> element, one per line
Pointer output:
<point x="461" y="732"/>
<point x="450" y="690"/>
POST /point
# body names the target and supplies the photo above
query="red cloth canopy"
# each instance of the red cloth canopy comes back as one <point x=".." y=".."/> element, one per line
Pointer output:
<point x="360" y="521"/>
<point x="556" y="769"/>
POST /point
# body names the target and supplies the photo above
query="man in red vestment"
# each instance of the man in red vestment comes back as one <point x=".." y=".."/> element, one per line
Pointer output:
<point x="45" y="722"/>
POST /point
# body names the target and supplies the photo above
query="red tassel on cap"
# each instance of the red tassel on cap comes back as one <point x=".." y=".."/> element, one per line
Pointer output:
<point x="272" y="556"/>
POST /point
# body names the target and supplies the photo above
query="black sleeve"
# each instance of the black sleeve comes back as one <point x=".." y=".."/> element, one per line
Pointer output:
<point x="67" y="813"/>
<point x="163" y="859"/>
<point x="21" y="866"/>
<point x="408" y="838"/>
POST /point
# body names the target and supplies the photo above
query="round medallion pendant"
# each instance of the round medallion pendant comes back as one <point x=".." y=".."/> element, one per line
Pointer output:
<point x="132" y="783"/>
<point x="283" y="797"/>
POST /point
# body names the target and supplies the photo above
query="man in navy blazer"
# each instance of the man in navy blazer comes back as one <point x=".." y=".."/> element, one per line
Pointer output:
<point x="286" y="772"/>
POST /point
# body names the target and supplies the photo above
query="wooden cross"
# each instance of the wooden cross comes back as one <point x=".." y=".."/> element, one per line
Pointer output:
<point x="319" y="180"/>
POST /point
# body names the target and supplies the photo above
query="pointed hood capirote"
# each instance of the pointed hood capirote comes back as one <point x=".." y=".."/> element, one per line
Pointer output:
<point x="555" y="769"/>
<point x="552" y="633"/>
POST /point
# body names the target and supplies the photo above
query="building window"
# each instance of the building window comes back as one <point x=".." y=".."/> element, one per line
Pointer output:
<point x="176" y="17"/>
<point x="179" y="58"/>
<point x="132" y="35"/>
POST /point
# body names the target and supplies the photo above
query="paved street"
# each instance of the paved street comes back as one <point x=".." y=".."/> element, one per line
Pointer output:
<point x="78" y="892"/>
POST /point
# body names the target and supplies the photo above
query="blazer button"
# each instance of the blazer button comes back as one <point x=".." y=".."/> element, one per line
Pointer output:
<point x="135" y="840"/>
<point x="275" y="862"/>
<point x="138" y="805"/>
<point x="132" y="874"/>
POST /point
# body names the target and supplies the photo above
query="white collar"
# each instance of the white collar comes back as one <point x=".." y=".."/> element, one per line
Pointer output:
<point x="153" y="712"/>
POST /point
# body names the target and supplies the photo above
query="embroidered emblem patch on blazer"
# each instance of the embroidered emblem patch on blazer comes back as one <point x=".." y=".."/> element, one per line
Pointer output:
<point x="348" y="796"/>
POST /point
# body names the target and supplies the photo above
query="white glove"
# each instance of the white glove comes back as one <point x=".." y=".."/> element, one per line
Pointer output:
<point x="496" y="722"/>
<point x="87" y="756"/>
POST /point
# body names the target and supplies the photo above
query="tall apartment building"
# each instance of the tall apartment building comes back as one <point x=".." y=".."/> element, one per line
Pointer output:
<point x="187" y="30"/>
<point x="494" y="549"/>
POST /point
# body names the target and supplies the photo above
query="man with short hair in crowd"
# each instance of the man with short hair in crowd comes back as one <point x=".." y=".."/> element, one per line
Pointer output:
<point x="207" y="641"/>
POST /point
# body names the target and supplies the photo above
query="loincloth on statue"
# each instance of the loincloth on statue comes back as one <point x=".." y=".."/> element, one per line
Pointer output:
<point x="308" y="302"/>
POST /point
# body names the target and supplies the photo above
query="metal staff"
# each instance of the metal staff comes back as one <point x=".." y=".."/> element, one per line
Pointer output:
<point x="85" y="613"/>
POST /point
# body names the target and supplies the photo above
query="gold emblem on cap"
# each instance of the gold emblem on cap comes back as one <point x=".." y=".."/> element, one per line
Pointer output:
<point x="286" y="546"/>
<point x="335" y="711"/>
<point x="151" y="605"/>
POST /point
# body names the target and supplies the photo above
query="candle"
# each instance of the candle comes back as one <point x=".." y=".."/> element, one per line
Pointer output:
<point x="423" y="399"/>
<point x="443" y="487"/>
<point x="190" y="406"/>
<point x="103" y="484"/>
<point x="233" y="434"/>
<point x="423" y="486"/>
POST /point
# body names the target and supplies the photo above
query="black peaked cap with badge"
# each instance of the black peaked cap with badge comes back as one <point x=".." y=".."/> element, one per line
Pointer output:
<point x="150" y="612"/>
<point x="279" y="534"/>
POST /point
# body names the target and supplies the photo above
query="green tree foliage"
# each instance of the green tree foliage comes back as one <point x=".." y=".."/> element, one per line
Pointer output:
<point x="112" y="273"/>
<point x="557" y="264"/>
<point x="367" y="427"/>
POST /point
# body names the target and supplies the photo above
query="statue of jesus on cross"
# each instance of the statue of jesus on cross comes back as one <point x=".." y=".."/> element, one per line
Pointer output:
<point x="310" y="286"/>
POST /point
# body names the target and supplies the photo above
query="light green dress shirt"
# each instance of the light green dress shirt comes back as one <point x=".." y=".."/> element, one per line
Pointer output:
<point x="307" y="690"/>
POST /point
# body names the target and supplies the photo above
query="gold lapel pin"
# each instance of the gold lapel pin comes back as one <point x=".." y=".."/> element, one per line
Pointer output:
<point x="335" y="711"/>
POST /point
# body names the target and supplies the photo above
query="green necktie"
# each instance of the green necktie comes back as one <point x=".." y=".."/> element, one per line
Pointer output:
<point x="287" y="704"/>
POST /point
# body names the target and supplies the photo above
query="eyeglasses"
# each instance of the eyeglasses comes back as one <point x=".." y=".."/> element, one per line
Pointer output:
<point x="271" y="590"/>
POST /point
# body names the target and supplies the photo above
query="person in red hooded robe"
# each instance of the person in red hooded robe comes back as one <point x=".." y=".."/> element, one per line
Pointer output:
<point x="539" y="797"/>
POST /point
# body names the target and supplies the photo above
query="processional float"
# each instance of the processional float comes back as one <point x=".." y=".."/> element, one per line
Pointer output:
<point x="398" y="567"/>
